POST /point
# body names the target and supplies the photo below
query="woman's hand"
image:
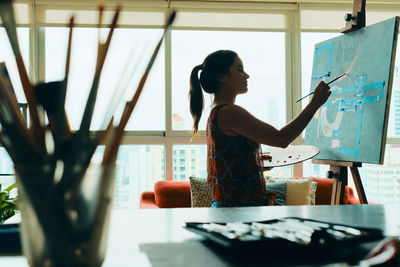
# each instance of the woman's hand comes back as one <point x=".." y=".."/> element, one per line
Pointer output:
<point x="266" y="157"/>
<point x="321" y="94"/>
<point x="386" y="253"/>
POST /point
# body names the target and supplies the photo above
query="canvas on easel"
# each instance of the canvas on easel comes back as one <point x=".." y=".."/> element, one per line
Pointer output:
<point x="353" y="122"/>
<point x="351" y="126"/>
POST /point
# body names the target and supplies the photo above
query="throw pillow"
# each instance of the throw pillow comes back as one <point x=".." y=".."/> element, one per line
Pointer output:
<point x="201" y="192"/>
<point x="298" y="191"/>
<point x="276" y="193"/>
<point x="313" y="190"/>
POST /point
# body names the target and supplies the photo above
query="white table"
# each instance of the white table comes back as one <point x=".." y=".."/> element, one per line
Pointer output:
<point x="130" y="228"/>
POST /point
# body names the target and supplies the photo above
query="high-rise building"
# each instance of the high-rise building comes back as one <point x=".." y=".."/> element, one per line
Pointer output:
<point x="138" y="168"/>
<point x="394" y="122"/>
<point x="178" y="123"/>
<point x="382" y="183"/>
<point x="189" y="160"/>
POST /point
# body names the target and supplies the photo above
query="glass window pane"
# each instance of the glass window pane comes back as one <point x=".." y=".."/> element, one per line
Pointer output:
<point x="128" y="46"/>
<point x="394" y="113"/>
<point x="308" y="41"/>
<point x="314" y="170"/>
<point x="7" y="56"/>
<point x="382" y="182"/>
<point x="189" y="160"/>
<point x="6" y="169"/>
<point x="263" y="56"/>
<point x="230" y="20"/>
<point x="331" y="19"/>
<point x="139" y="167"/>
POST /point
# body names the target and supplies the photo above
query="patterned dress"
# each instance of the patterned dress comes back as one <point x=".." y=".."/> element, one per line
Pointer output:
<point x="233" y="167"/>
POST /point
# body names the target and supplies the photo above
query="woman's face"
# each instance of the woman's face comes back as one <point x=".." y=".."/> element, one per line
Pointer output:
<point x="237" y="77"/>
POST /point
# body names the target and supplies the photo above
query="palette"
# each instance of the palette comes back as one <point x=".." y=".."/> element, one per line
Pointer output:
<point x="289" y="155"/>
<point x="285" y="233"/>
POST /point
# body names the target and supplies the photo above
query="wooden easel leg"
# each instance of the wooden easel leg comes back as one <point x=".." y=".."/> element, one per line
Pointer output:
<point x="358" y="184"/>
<point x="339" y="183"/>
<point x="334" y="193"/>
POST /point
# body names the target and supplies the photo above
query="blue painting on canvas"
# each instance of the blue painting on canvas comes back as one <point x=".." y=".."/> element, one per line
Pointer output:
<point x="351" y="125"/>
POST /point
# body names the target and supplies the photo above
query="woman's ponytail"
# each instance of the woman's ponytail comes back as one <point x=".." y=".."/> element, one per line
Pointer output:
<point x="196" y="98"/>
<point x="214" y="65"/>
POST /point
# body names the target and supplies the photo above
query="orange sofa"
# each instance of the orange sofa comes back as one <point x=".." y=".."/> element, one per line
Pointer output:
<point x="174" y="194"/>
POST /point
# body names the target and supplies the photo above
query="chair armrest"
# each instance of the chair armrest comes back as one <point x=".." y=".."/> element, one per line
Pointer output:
<point x="147" y="200"/>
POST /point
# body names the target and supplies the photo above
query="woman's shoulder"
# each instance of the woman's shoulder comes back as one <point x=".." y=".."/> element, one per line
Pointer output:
<point x="231" y="114"/>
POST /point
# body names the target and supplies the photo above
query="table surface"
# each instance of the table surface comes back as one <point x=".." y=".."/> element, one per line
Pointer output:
<point x="130" y="228"/>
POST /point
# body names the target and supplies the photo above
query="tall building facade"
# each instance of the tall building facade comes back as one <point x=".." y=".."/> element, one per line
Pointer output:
<point x="138" y="168"/>
<point x="189" y="160"/>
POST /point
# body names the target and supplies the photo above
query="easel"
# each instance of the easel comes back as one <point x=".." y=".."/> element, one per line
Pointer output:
<point x="355" y="20"/>
<point x="338" y="170"/>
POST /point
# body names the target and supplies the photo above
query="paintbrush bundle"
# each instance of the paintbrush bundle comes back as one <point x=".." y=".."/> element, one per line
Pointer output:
<point x="51" y="161"/>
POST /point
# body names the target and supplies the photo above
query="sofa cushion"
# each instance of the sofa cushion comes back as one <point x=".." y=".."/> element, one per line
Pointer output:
<point x="324" y="192"/>
<point x="172" y="194"/>
<point x="201" y="192"/>
<point x="313" y="192"/>
<point x="147" y="200"/>
<point x="278" y="191"/>
<point x="299" y="191"/>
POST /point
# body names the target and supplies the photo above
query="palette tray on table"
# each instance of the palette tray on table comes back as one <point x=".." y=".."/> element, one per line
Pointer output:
<point x="288" y="232"/>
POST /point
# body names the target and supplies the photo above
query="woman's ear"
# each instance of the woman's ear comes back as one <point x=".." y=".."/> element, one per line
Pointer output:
<point x="222" y="78"/>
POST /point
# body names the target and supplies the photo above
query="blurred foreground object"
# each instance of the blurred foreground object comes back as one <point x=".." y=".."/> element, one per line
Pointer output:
<point x="64" y="198"/>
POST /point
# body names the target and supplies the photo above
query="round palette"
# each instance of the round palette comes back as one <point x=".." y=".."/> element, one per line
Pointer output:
<point x="289" y="155"/>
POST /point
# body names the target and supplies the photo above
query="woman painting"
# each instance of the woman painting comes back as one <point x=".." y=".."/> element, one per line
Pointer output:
<point x="234" y="135"/>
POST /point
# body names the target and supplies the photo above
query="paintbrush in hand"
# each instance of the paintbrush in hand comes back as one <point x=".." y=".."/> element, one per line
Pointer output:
<point x="338" y="77"/>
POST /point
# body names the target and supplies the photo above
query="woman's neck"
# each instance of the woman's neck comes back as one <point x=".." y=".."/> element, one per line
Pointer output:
<point x="220" y="99"/>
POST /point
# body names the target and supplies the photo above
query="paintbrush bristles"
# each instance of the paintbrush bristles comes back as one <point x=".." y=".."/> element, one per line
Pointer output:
<point x="68" y="60"/>
<point x="171" y="19"/>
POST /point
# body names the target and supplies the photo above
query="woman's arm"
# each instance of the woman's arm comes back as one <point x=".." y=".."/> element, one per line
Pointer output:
<point x="234" y="120"/>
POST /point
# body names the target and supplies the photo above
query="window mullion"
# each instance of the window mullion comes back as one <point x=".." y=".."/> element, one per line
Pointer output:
<point x="168" y="107"/>
<point x="293" y="78"/>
